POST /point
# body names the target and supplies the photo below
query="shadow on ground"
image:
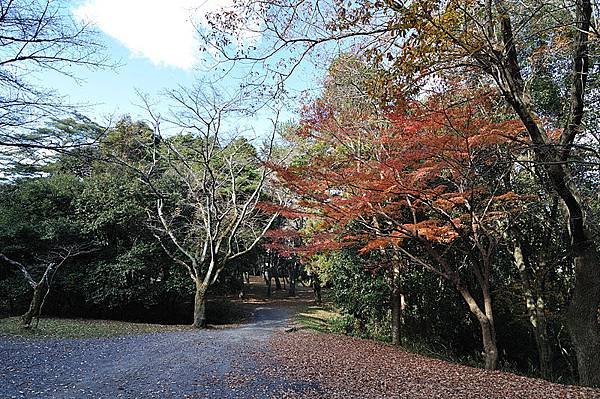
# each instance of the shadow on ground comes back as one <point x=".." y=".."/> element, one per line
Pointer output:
<point x="210" y="363"/>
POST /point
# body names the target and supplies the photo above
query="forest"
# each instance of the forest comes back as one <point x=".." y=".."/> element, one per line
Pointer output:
<point x="438" y="189"/>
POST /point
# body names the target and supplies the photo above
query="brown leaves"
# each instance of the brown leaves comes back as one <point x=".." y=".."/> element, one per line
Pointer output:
<point x="345" y="367"/>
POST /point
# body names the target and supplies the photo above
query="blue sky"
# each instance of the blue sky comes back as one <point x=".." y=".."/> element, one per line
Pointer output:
<point x="113" y="91"/>
<point x="157" y="47"/>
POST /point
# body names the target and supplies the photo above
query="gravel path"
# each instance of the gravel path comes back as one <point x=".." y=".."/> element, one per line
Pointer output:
<point x="190" y="364"/>
<point x="255" y="360"/>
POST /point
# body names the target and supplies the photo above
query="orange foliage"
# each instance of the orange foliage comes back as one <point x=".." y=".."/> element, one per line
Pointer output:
<point x="422" y="174"/>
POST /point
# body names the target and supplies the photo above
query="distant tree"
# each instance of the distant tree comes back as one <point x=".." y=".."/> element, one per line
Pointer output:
<point x="51" y="141"/>
<point x="41" y="288"/>
<point x="39" y="233"/>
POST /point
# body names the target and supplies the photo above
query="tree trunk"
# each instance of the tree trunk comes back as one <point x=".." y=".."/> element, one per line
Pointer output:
<point x="583" y="315"/>
<point x="317" y="289"/>
<point x="292" y="284"/>
<point x="397" y="317"/>
<point x="537" y="316"/>
<point x="200" y="306"/>
<point x="542" y="341"/>
<point x="267" y="277"/>
<point x="488" y="335"/>
<point x="489" y="344"/>
<point x="397" y="307"/>
<point x="35" y="305"/>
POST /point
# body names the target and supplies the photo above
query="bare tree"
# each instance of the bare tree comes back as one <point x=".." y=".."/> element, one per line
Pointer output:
<point x="39" y="36"/>
<point x="214" y="218"/>
<point x="41" y="288"/>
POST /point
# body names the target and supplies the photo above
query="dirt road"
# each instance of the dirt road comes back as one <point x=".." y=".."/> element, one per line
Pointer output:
<point x="212" y="363"/>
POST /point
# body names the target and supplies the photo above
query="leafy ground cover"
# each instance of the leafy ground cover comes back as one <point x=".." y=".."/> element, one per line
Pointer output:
<point x="80" y="328"/>
<point x="347" y="367"/>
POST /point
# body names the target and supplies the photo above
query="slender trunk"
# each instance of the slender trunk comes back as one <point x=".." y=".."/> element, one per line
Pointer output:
<point x="584" y="313"/>
<point x="200" y="306"/>
<point x="397" y="317"/>
<point x="397" y="307"/>
<point x="489" y="328"/>
<point x="277" y="282"/>
<point x="35" y="304"/>
<point x="542" y="340"/>
<point x="488" y="335"/>
<point x="292" y="284"/>
<point x="317" y="289"/>
<point x="267" y="277"/>
<point x="537" y="316"/>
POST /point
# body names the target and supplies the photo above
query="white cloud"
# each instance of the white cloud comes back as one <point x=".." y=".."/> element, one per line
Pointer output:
<point x="162" y="31"/>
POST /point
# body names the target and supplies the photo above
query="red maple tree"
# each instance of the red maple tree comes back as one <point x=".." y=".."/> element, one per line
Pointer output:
<point x="428" y="181"/>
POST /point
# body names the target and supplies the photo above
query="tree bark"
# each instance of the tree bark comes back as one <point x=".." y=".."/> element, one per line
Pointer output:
<point x="584" y="313"/>
<point x="488" y="335"/>
<point x="200" y="306"/>
<point x="397" y="307"/>
<point x="35" y="304"/>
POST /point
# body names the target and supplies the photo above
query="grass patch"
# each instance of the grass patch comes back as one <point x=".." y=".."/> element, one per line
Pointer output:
<point x="317" y="318"/>
<point x="80" y="328"/>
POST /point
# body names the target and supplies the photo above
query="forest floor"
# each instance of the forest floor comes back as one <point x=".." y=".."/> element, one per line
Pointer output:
<point x="261" y="358"/>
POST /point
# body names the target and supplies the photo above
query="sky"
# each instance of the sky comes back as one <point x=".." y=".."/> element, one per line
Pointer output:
<point x="157" y="47"/>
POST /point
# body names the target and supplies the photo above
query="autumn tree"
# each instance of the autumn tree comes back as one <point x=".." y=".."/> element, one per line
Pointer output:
<point x="427" y="184"/>
<point x="538" y="55"/>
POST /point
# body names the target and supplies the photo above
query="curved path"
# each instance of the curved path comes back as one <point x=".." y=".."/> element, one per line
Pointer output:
<point x="255" y="360"/>
<point x="190" y="364"/>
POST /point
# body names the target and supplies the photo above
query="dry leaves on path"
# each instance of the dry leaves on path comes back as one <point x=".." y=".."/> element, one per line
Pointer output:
<point x="345" y="367"/>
